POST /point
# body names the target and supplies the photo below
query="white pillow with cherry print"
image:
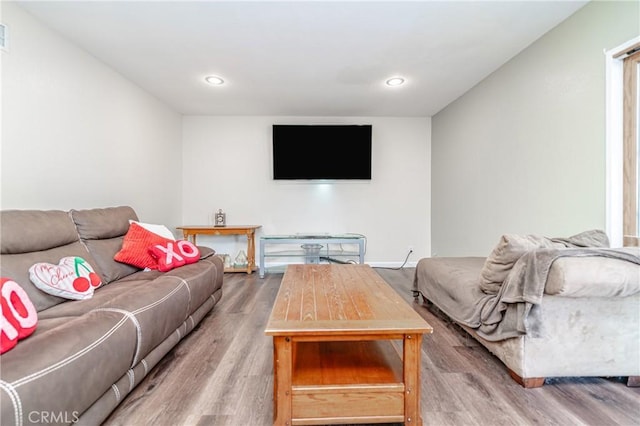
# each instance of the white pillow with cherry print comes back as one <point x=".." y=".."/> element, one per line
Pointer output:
<point x="72" y="278"/>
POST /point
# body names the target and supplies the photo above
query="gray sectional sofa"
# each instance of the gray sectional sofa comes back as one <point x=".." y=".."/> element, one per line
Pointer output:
<point x="87" y="355"/>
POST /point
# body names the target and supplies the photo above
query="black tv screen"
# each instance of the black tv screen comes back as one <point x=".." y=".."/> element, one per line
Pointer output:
<point x="321" y="151"/>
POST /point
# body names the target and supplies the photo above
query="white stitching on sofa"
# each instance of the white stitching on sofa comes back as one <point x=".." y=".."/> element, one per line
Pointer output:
<point x="116" y="391"/>
<point x="157" y="302"/>
<point x="132" y="317"/>
<point x="179" y="334"/>
<point x="146" y="367"/>
<point x="15" y="399"/>
<point x="188" y="291"/>
<point x="132" y="378"/>
<point x="214" y="298"/>
<point x="69" y="359"/>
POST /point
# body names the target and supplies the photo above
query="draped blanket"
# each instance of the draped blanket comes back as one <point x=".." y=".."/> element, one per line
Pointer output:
<point x="505" y="314"/>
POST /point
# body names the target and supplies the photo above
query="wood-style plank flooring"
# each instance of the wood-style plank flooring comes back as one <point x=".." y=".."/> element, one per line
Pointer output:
<point x="221" y="374"/>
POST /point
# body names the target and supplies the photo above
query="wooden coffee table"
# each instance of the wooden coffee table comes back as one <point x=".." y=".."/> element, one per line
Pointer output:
<point x="333" y="329"/>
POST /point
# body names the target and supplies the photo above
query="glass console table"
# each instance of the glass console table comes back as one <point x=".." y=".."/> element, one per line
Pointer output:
<point x="313" y="248"/>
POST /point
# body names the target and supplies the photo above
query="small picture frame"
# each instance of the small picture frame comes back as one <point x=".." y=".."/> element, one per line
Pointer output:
<point x="220" y="218"/>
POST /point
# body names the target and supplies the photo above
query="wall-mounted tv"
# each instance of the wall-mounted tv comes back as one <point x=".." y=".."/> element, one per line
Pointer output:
<point x="321" y="152"/>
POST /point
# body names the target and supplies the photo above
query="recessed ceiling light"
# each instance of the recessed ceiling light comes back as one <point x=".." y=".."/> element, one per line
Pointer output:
<point x="395" y="81"/>
<point x="214" y="80"/>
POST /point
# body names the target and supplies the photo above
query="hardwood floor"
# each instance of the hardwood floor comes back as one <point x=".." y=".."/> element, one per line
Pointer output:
<point x="221" y="374"/>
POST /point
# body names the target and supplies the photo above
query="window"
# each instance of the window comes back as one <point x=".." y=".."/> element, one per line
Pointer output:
<point x="622" y="158"/>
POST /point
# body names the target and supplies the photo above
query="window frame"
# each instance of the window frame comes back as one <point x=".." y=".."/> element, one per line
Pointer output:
<point x="630" y="66"/>
<point x="615" y="146"/>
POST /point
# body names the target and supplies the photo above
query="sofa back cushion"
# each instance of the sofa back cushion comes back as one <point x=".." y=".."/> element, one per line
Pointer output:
<point x="33" y="236"/>
<point x="513" y="246"/>
<point x="510" y="248"/>
<point x="102" y="231"/>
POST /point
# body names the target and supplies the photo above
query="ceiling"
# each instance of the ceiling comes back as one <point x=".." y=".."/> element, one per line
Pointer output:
<point x="305" y="58"/>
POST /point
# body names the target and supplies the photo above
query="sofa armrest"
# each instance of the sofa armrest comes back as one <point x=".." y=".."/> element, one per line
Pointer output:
<point x="592" y="277"/>
<point x="206" y="252"/>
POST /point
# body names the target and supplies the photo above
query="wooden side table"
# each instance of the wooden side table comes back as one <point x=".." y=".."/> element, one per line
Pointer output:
<point x="190" y="233"/>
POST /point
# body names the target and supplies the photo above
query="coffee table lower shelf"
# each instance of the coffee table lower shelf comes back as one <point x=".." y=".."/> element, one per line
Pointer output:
<point x="346" y="404"/>
<point x="341" y="382"/>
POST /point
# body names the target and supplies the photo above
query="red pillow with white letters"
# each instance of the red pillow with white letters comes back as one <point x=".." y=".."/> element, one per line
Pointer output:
<point x="19" y="316"/>
<point x="72" y="278"/>
<point x="174" y="253"/>
<point x="135" y="247"/>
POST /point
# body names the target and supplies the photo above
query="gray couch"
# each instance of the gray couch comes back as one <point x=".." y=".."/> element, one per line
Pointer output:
<point x="87" y="355"/>
<point x="554" y="312"/>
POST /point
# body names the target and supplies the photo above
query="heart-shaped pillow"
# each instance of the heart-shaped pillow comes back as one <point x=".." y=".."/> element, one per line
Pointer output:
<point x="72" y="278"/>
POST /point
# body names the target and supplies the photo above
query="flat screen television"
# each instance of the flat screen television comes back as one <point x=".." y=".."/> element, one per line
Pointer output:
<point x="321" y="152"/>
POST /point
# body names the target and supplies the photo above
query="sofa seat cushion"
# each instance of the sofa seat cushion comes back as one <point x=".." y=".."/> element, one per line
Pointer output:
<point x="202" y="281"/>
<point x="140" y="276"/>
<point x="451" y="283"/>
<point x="157" y="307"/>
<point x="164" y="304"/>
<point x="102" y="297"/>
<point x="105" y="295"/>
<point x="66" y="370"/>
<point x="44" y="325"/>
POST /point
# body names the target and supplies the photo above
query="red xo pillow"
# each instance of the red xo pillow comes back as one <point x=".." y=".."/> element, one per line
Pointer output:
<point x="19" y="317"/>
<point x="174" y="254"/>
<point x="135" y="247"/>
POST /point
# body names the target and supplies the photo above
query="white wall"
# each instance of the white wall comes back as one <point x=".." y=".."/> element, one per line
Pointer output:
<point x="524" y="150"/>
<point x="75" y="134"/>
<point x="227" y="164"/>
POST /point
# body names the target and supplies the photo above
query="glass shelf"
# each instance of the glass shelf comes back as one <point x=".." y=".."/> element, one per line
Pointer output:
<point x="291" y="247"/>
<point x="322" y="237"/>
<point x="302" y="253"/>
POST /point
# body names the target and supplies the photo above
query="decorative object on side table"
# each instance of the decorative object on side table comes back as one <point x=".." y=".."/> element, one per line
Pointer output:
<point x="227" y="260"/>
<point x="220" y="218"/>
<point x="241" y="260"/>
